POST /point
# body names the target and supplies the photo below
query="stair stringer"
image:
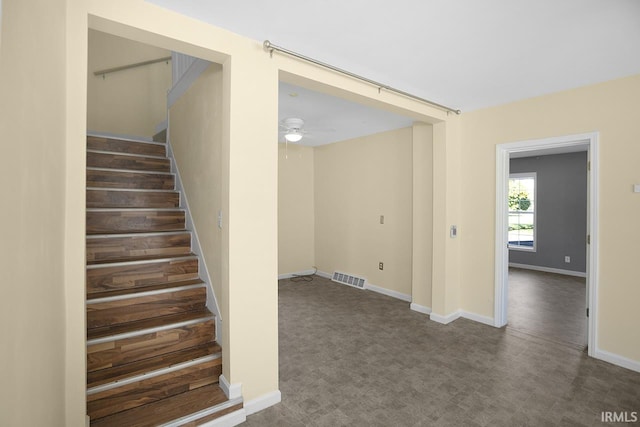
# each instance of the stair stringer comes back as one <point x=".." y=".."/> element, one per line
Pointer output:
<point x="212" y="302"/>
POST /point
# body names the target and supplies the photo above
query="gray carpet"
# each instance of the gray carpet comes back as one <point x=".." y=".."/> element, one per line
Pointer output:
<point x="356" y="358"/>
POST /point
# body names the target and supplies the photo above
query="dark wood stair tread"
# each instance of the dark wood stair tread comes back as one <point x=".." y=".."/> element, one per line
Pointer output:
<point x="141" y="258"/>
<point x="123" y="328"/>
<point x="169" y="409"/>
<point x="130" y="179"/>
<point x="116" y="373"/>
<point x="126" y="146"/>
<point x="132" y="291"/>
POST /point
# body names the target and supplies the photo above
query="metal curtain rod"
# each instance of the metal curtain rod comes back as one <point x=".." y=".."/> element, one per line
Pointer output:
<point x="126" y="67"/>
<point x="270" y="47"/>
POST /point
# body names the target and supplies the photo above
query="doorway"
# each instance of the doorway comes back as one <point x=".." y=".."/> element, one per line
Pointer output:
<point x="556" y="145"/>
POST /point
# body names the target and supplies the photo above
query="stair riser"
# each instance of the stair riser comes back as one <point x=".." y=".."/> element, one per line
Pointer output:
<point x="130" y="180"/>
<point x="134" y="221"/>
<point x="153" y="389"/>
<point x="132" y="199"/>
<point x="119" y="146"/>
<point x="119" y="352"/>
<point x="117" y="161"/>
<point x="121" y="248"/>
<point x="140" y="275"/>
<point x="146" y="307"/>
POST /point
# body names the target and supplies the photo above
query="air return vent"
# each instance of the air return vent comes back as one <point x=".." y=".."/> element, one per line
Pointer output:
<point x="348" y="279"/>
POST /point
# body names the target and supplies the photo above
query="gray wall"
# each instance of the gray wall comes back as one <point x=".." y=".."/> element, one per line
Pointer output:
<point x="561" y="210"/>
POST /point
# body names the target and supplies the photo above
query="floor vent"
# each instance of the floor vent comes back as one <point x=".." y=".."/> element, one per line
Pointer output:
<point x="347" y="279"/>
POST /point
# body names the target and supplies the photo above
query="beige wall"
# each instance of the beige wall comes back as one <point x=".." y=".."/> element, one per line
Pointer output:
<point x="129" y="102"/>
<point x="34" y="136"/>
<point x="609" y="108"/>
<point x="356" y="181"/>
<point x="195" y="127"/>
<point x="422" y="230"/>
<point x="296" y="216"/>
<point x="249" y="174"/>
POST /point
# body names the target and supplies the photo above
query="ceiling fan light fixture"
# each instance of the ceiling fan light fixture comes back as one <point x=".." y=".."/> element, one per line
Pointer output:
<point x="293" y="135"/>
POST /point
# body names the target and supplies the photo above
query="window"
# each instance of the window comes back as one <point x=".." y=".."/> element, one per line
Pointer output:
<point x="522" y="211"/>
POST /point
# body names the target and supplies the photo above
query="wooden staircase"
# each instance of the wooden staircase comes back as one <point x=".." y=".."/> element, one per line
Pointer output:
<point x="152" y="358"/>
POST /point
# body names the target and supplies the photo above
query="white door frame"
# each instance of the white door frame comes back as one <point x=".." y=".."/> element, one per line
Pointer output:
<point x="503" y="152"/>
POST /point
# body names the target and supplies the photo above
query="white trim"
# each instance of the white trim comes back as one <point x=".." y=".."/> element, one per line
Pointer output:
<point x="232" y="391"/>
<point x="262" y="402"/>
<point x="388" y="292"/>
<point x="196" y="68"/>
<point x="548" y="269"/>
<point x="140" y="171"/>
<point x="445" y="320"/>
<point x="138" y="190"/>
<point x="229" y="420"/>
<point x="134" y="209"/>
<point x="123" y="154"/>
<point x="205" y="412"/>
<point x="373" y="288"/>
<point x="420" y="308"/>
<point x="147" y="234"/>
<point x="477" y="318"/>
<point x="324" y="274"/>
<point x="141" y="262"/>
<point x="503" y="151"/>
<point x="124" y="137"/>
<point x="299" y="273"/>
<point x="627" y="363"/>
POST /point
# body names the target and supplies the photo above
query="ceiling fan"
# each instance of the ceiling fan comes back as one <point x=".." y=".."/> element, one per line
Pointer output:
<point x="292" y="129"/>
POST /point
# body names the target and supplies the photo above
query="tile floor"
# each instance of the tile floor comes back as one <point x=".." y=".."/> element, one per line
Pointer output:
<point x="547" y="305"/>
<point x="356" y="358"/>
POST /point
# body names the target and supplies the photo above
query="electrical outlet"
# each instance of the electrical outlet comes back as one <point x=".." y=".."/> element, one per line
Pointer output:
<point x="567" y="259"/>
<point x="381" y="265"/>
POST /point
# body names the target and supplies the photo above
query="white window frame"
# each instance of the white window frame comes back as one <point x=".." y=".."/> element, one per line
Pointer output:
<point x="533" y="175"/>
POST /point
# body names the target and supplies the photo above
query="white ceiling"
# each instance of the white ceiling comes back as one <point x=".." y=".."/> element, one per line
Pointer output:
<point x="466" y="54"/>
<point x="329" y="119"/>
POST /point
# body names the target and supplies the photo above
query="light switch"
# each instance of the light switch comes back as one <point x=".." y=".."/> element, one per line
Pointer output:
<point x="636" y="188"/>
<point x="453" y="232"/>
<point x="381" y="219"/>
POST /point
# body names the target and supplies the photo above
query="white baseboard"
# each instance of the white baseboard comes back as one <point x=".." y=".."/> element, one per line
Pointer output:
<point x="477" y="318"/>
<point x="388" y="292"/>
<point x="548" y="269"/>
<point x="420" y="308"/>
<point x="324" y="274"/>
<point x="373" y="288"/>
<point x="445" y="320"/>
<point x="233" y="391"/>
<point x="615" y="359"/>
<point x="299" y="273"/>
<point x="262" y="402"/>
<point x="230" y="420"/>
